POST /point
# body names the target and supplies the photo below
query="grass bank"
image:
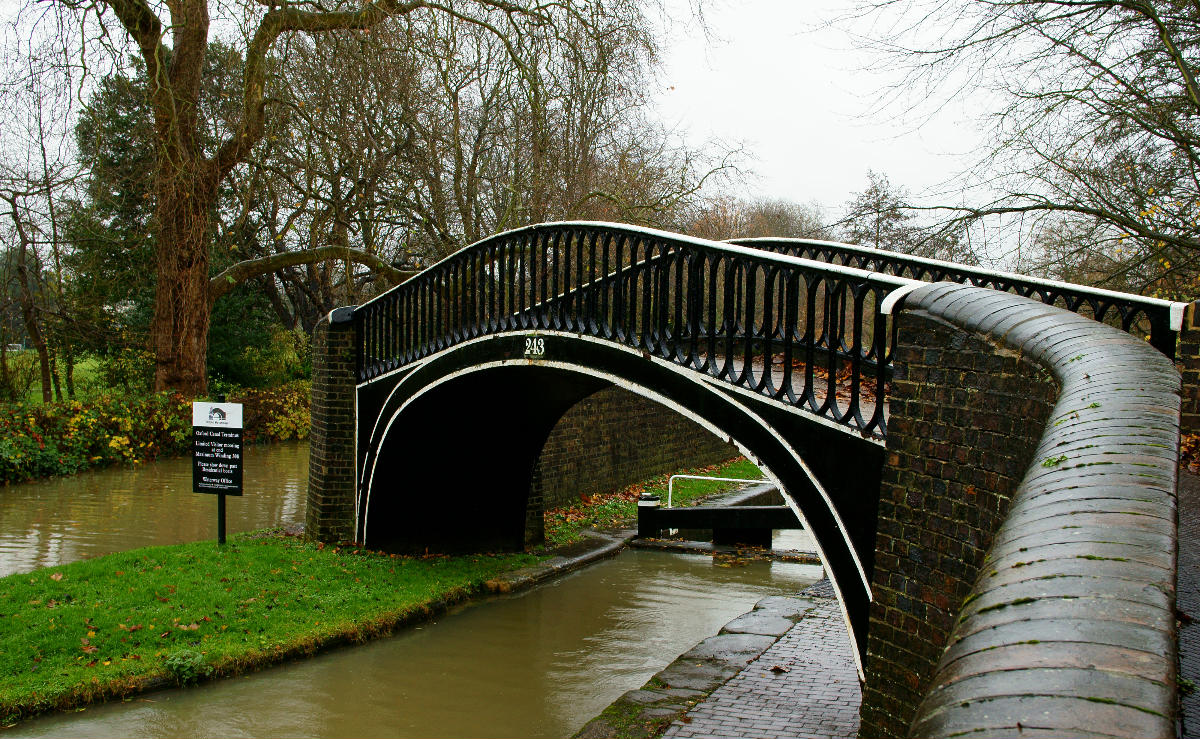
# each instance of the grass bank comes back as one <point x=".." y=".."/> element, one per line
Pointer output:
<point x="566" y="525"/>
<point x="125" y="623"/>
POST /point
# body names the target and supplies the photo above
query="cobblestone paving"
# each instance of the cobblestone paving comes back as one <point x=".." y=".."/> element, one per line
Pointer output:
<point x="1188" y="597"/>
<point x="817" y="697"/>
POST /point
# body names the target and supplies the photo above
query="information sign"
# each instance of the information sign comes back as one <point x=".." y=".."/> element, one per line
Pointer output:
<point x="217" y="448"/>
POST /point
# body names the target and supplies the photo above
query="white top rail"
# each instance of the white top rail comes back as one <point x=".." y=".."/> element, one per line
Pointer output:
<point x="1175" y="308"/>
<point x="718" y="246"/>
<point x="671" y="482"/>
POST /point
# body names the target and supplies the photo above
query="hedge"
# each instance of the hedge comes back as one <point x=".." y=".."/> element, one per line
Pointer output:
<point x="39" y="440"/>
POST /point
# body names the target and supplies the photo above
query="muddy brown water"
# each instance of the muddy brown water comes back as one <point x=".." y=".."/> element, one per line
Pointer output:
<point x="64" y="519"/>
<point x="534" y="664"/>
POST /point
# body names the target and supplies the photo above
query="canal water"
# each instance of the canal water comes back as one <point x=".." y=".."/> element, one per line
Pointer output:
<point x="64" y="519"/>
<point x="534" y="664"/>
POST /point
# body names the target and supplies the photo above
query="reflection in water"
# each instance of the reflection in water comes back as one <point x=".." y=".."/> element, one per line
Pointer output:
<point x="52" y="522"/>
<point x="540" y="663"/>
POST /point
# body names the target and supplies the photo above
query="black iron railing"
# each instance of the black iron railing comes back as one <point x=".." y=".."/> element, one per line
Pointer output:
<point x="793" y="330"/>
<point x="1156" y="320"/>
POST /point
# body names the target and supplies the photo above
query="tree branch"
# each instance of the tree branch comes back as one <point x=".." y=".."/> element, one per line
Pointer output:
<point x="288" y="19"/>
<point x="250" y="268"/>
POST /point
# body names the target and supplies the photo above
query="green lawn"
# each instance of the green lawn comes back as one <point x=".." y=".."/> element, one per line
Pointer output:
<point x="86" y="370"/>
<point x="566" y="525"/>
<point x="118" y="624"/>
<point x="113" y="625"/>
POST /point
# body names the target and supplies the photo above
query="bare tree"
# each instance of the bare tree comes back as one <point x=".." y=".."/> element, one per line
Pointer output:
<point x="728" y="218"/>
<point x="1097" y="127"/>
<point x="37" y="171"/>
<point x="478" y="134"/>
<point x="29" y="237"/>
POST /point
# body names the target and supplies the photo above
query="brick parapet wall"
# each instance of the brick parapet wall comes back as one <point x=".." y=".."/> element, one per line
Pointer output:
<point x="958" y="443"/>
<point x="1024" y="577"/>
<point x="614" y="438"/>
<point x="329" y="516"/>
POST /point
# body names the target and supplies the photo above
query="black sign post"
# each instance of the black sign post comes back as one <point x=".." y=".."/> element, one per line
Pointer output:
<point x="217" y="453"/>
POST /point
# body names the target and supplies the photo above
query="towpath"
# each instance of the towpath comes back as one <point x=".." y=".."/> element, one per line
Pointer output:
<point x="805" y="685"/>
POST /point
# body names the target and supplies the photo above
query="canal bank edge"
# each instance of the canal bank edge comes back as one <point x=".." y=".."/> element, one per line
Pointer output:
<point x="596" y="546"/>
<point x="592" y="545"/>
<point x="666" y="697"/>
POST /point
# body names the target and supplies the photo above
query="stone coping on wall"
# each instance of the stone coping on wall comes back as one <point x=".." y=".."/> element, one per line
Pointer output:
<point x="1070" y="627"/>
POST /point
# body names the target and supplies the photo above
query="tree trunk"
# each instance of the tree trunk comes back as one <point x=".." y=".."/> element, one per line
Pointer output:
<point x="69" y="371"/>
<point x="179" y="332"/>
<point x="29" y="314"/>
<point x="54" y="377"/>
<point x="39" y="344"/>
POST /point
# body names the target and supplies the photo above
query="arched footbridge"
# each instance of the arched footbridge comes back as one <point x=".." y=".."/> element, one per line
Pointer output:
<point x="906" y="442"/>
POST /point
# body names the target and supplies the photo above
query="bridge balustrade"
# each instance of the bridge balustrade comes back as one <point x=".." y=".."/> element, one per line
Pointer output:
<point x="798" y="331"/>
<point x="1159" y="321"/>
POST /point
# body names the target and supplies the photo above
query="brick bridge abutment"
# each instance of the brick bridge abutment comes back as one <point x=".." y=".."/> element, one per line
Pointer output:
<point x="329" y="516"/>
<point x="1188" y="362"/>
<point x="1025" y="569"/>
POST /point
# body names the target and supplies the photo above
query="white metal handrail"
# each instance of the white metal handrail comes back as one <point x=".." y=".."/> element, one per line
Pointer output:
<point x="672" y="478"/>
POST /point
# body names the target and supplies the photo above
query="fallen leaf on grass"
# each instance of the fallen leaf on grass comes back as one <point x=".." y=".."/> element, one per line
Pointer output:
<point x="56" y="576"/>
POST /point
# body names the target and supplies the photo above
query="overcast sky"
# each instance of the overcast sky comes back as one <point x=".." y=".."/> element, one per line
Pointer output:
<point x="796" y="93"/>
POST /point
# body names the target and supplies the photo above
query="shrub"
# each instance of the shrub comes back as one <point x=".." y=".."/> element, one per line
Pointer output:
<point x="131" y="370"/>
<point x="285" y="357"/>
<point x="23" y="373"/>
<point x="62" y="438"/>
<point x="275" y="414"/>
<point x="186" y="667"/>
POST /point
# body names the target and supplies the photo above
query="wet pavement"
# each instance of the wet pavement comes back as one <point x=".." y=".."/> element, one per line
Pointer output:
<point x="804" y="685"/>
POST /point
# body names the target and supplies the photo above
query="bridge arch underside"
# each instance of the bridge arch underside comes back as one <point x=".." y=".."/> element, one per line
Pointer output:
<point x="447" y="449"/>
